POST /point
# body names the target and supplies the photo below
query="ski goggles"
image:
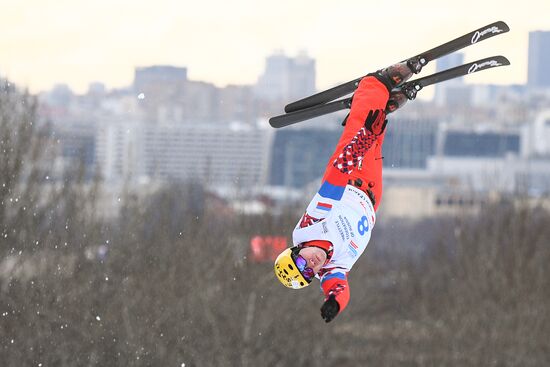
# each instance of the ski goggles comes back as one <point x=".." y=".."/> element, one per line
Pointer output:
<point x="301" y="264"/>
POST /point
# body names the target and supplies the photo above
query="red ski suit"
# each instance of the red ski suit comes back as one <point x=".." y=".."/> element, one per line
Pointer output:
<point x="358" y="155"/>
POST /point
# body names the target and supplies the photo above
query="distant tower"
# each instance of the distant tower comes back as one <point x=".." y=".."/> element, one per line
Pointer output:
<point x="538" y="75"/>
<point x="442" y="90"/>
<point x="302" y="76"/>
<point x="273" y="84"/>
<point x="286" y="78"/>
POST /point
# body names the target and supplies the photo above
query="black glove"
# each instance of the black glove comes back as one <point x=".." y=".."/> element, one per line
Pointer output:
<point x="330" y="308"/>
<point x="376" y="121"/>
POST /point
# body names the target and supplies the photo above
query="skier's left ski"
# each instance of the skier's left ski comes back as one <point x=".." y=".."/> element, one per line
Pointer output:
<point x="410" y="89"/>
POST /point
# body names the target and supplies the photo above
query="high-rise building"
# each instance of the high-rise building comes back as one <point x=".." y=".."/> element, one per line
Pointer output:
<point x="286" y="78"/>
<point x="450" y="61"/>
<point x="450" y="92"/>
<point x="538" y="75"/>
<point x="302" y="76"/>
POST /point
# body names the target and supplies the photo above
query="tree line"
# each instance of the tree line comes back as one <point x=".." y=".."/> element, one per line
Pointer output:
<point x="168" y="282"/>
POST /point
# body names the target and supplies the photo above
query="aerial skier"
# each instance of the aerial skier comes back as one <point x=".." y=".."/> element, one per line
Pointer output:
<point x="337" y="224"/>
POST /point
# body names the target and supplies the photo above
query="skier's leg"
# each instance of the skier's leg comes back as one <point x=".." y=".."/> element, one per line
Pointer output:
<point x="360" y="144"/>
<point x="371" y="94"/>
<point x="369" y="175"/>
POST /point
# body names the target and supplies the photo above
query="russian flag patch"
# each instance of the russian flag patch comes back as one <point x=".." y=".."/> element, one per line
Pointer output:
<point x="324" y="206"/>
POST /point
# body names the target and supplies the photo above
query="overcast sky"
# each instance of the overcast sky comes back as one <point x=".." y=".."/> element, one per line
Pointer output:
<point x="225" y="42"/>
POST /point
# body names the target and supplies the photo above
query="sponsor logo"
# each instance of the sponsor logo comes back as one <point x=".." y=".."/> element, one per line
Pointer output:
<point x="344" y="223"/>
<point x="357" y="192"/>
<point x="349" y="227"/>
<point x="361" y="196"/>
<point x="325" y="228"/>
<point x="340" y="230"/>
<point x="478" y="34"/>
<point x="487" y="64"/>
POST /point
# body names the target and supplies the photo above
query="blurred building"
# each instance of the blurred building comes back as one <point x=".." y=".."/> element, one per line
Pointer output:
<point x="116" y="150"/>
<point x="159" y="77"/>
<point x="286" y="79"/>
<point x="470" y="166"/>
<point x="201" y="103"/>
<point x="450" y="92"/>
<point x="166" y="95"/>
<point x="166" y="127"/>
<point x="74" y="142"/>
<point x="488" y="144"/>
<point x="538" y="74"/>
<point x="226" y="155"/>
<point x="237" y="103"/>
<point x="299" y="157"/>
<point x="60" y="97"/>
<point x="536" y="136"/>
<point x="409" y="142"/>
<point x="160" y="89"/>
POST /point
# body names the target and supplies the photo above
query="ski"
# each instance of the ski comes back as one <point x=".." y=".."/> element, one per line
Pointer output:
<point x="410" y="89"/>
<point x="309" y="113"/>
<point x="415" y="63"/>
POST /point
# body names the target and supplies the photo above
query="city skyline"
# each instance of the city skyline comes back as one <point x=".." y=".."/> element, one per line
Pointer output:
<point x="77" y="43"/>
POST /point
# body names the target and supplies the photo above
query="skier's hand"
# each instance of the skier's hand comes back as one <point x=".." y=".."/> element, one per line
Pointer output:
<point x="330" y="308"/>
<point x="376" y="121"/>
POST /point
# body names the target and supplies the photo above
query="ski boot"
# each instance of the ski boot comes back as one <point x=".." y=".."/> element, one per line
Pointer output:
<point x="397" y="99"/>
<point x="394" y="76"/>
<point x="397" y="73"/>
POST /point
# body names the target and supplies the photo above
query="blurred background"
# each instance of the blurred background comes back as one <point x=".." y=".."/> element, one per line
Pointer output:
<point x="144" y="196"/>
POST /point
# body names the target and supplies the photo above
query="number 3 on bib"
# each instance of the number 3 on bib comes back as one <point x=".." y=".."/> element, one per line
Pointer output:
<point x="363" y="225"/>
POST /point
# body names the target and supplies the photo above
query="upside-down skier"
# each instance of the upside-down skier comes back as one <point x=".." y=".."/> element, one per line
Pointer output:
<point x="337" y="224"/>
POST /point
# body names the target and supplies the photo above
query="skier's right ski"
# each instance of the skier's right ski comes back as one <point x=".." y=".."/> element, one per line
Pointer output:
<point x="415" y="63"/>
<point x="410" y="89"/>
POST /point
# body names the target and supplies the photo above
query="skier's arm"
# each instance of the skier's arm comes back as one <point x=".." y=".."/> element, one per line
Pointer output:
<point x="336" y="289"/>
